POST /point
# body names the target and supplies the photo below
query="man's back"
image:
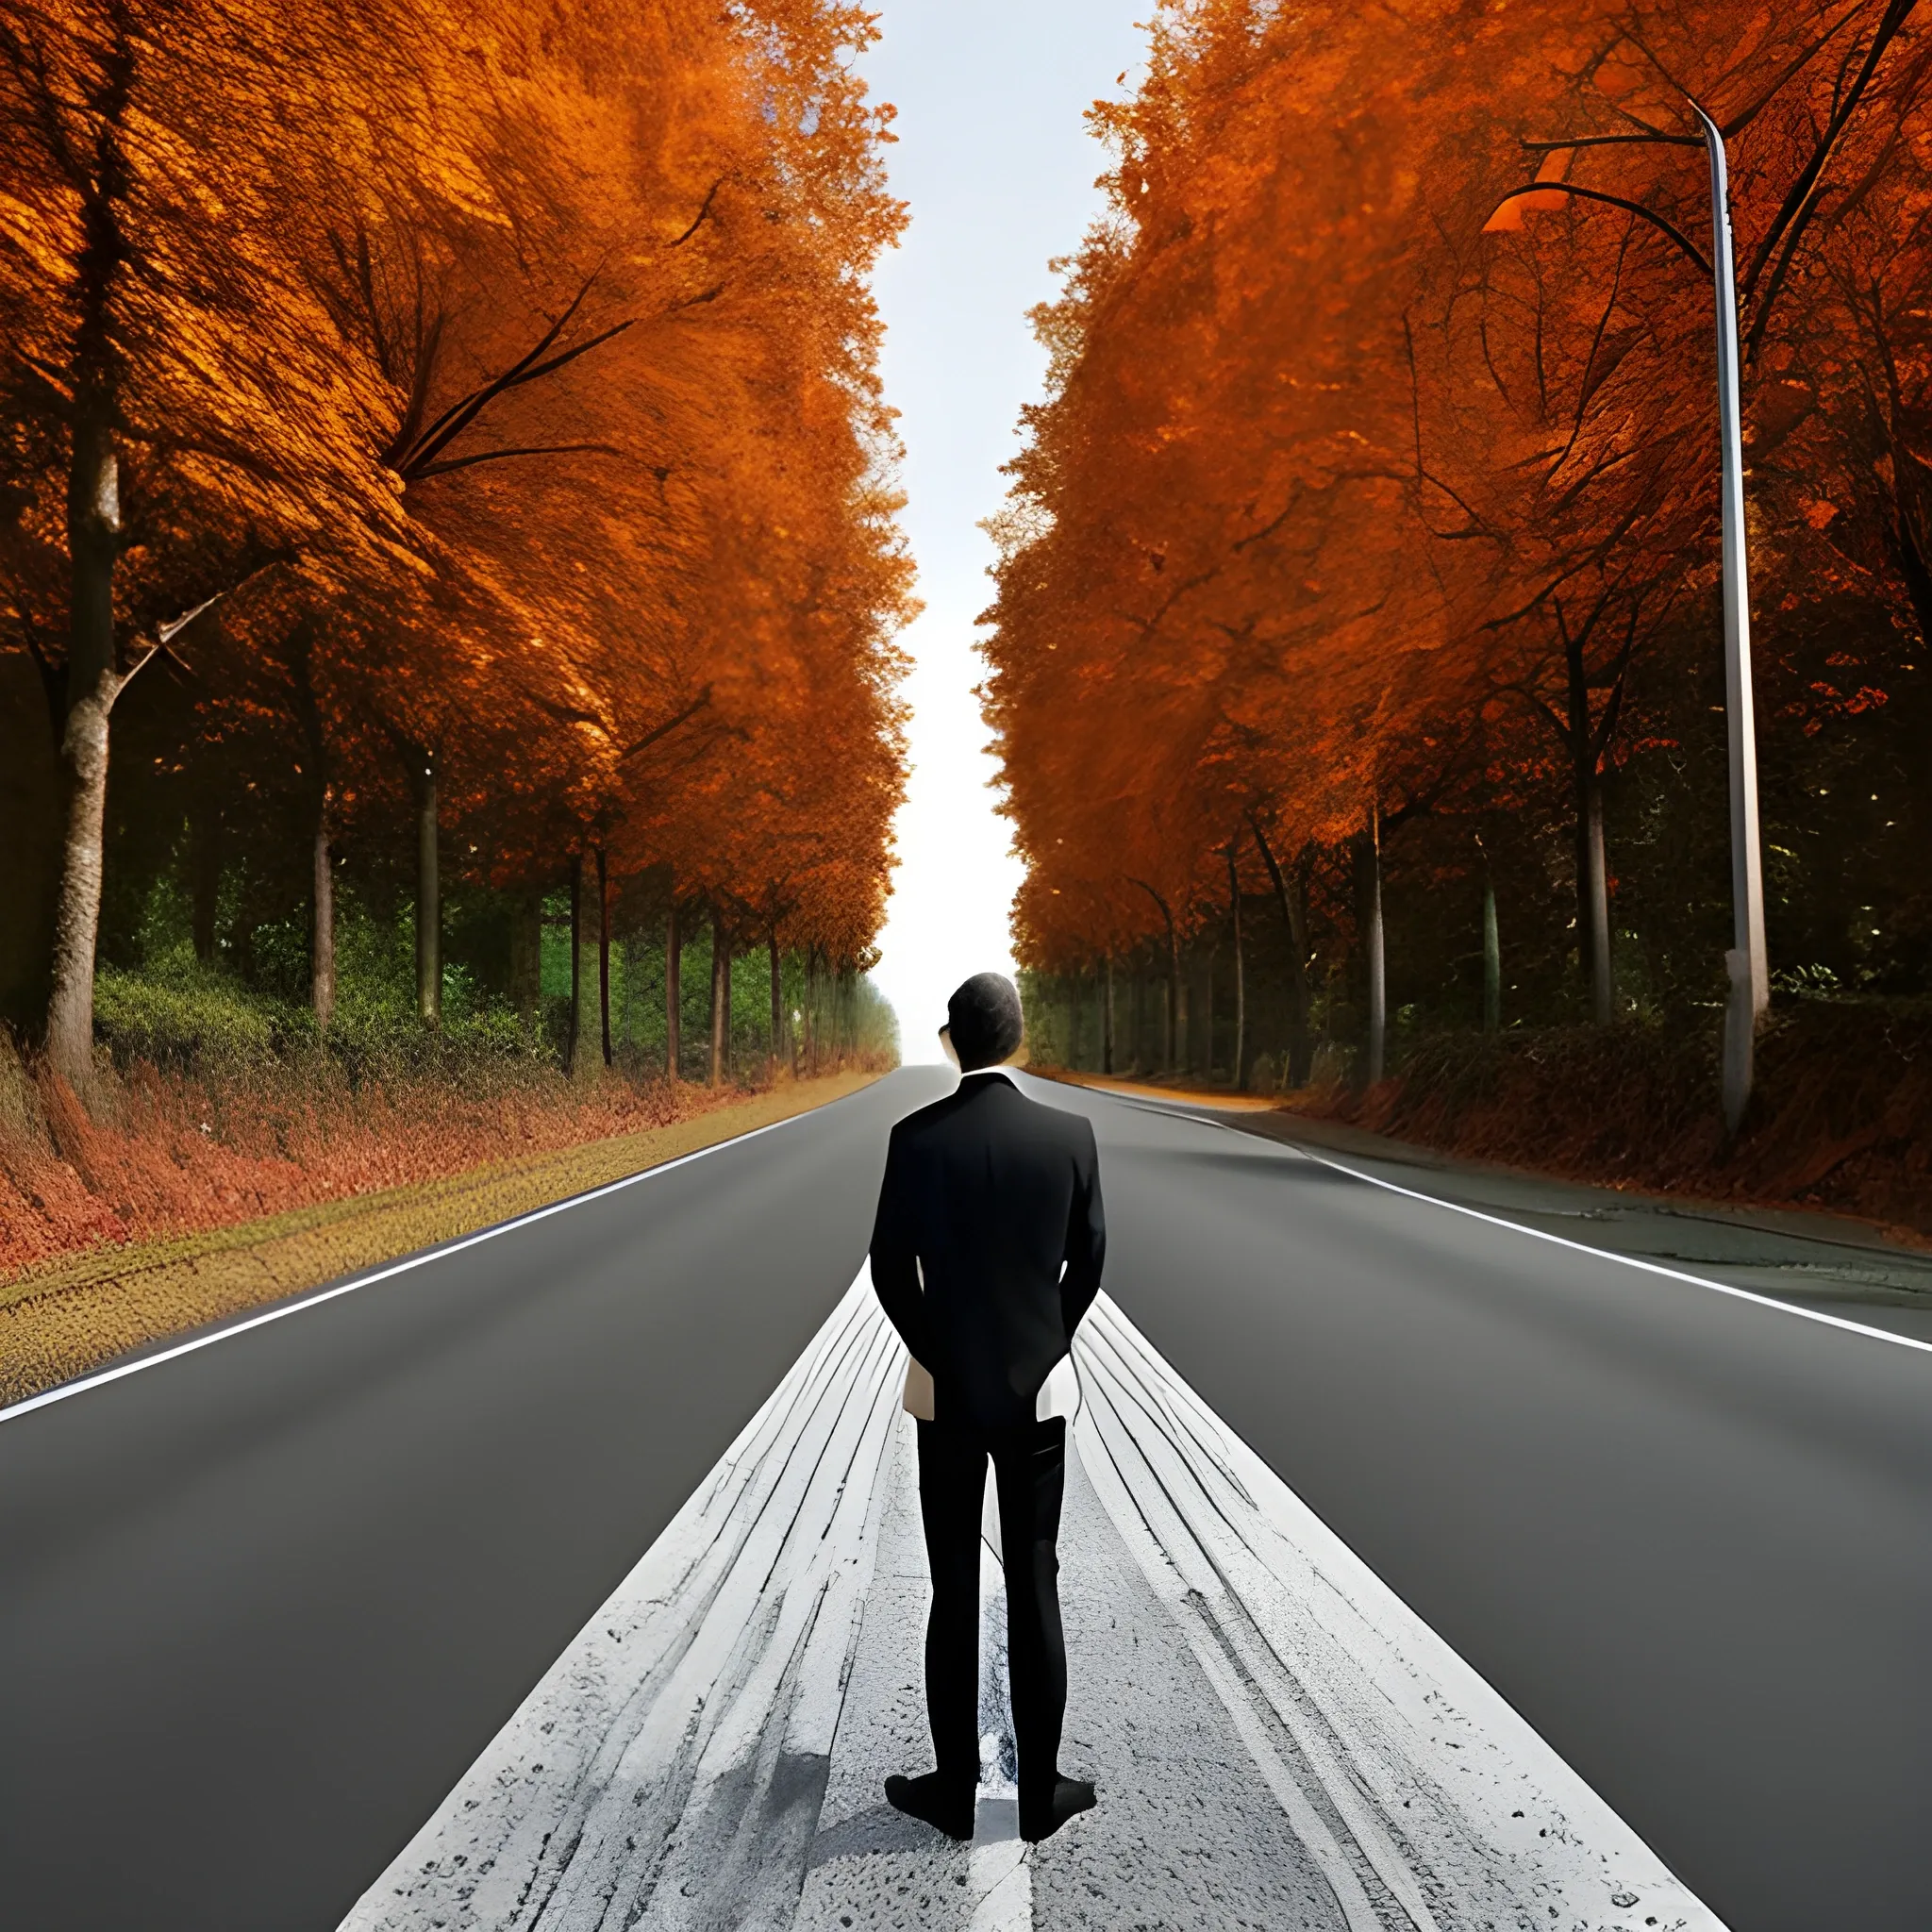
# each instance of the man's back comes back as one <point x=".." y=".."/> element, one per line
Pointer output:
<point x="986" y="1252"/>
<point x="987" y="1194"/>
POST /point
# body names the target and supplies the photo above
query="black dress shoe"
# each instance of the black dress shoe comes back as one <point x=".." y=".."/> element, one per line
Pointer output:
<point x="1071" y="1796"/>
<point x="942" y="1802"/>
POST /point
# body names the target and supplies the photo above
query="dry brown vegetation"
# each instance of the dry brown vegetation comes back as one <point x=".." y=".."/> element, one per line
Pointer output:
<point x="69" y="1313"/>
<point x="1837" y="1122"/>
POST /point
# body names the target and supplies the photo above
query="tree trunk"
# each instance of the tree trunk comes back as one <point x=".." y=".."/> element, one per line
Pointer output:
<point x="1107" y="1021"/>
<point x="1368" y="912"/>
<point x="204" y="879"/>
<point x="1302" y="1017"/>
<point x="1493" y="962"/>
<point x="93" y="541"/>
<point x="1206" y="1048"/>
<point x="1593" y="897"/>
<point x="777" y="998"/>
<point x="576" y="964"/>
<point x="1176" y="1008"/>
<point x="604" y="952"/>
<point x="93" y="679"/>
<point x="1240" y="981"/>
<point x="322" y="944"/>
<point x="1292" y="895"/>
<point x="811" y="1009"/>
<point x="674" y="990"/>
<point x="315" y="769"/>
<point x="428" y="897"/>
<point x="721" y="1000"/>
<point x="527" y="954"/>
<point x="1072" y="991"/>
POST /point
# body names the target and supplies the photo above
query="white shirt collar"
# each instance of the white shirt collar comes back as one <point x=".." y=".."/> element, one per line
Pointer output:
<point x="994" y="1073"/>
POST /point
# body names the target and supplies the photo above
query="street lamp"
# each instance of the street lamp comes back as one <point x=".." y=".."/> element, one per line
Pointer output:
<point x="1746" y="967"/>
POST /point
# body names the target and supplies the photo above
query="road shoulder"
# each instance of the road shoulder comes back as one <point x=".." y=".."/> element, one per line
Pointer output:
<point x="64" y="1320"/>
<point x="1831" y="1262"/>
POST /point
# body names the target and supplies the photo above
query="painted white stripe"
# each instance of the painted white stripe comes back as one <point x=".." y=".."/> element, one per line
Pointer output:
<point x="999" y="1867"/>
<point x="1451" y="1800"/>
<point x="1166" y="1478"/>
<point x="1296" y="1150"/>
<point x="283" y="1309"/>
<point x="671" y="1769"/>
<point x="1743" y="1295"/>
<point x="1000" y="1876"/>
<point x="655" y="1771"/>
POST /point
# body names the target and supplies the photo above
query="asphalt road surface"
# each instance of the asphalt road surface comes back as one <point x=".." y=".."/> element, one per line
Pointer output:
<point x="261" y="1605"/>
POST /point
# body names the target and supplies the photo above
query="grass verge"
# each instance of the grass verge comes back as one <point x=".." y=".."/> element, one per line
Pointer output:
<point x="61" y="1319"/>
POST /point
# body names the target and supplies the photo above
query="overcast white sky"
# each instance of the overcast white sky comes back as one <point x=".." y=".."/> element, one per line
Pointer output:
<point x="996" y="162"/>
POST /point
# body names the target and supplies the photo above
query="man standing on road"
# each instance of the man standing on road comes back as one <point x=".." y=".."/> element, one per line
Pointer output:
<point x="986" y="1252"/>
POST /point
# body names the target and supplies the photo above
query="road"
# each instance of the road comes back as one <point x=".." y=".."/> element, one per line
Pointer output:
<point x="263" y="1604"/>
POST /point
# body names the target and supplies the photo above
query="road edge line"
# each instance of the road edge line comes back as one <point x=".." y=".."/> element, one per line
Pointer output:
<point x="315" y="1298"/>
<point x="1743" y="1295"/>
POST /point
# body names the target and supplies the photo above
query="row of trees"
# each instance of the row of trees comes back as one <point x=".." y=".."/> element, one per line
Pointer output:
<point x="464" y="424"/>
<point x="1367" y="539"/>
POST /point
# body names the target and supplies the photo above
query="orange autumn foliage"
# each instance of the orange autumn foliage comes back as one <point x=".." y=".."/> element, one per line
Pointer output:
<point x="487" y="393"/>
<point x="1380" y="435"/>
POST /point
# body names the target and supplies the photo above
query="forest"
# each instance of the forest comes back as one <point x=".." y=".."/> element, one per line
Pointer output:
<point x="1356" y="659"/>
<point x="448" y="573"/>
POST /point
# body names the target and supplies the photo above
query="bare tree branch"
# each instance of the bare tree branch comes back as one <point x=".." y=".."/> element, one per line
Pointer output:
<point x="498" y="456"/>
<point x="1635" y="208"/>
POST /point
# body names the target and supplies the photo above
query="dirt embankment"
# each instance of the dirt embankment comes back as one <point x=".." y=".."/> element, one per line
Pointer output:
<point x="1840" y="1116"/>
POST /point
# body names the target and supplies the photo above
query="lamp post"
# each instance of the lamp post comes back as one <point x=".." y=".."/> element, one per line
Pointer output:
<point x="1746" y="970"/>
<point x="1746" y="967"/>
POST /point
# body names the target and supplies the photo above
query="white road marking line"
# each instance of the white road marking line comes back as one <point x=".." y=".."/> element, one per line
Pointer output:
<point x="1456" y="1803"/>
<point x="999" y="1876"/>
<point x="999" y="1868"/>
<point x="618" y="1786"/>
<point x="1161" y="1445"/>
<point x="394" y="1268"/>
<point x="1119" y="1494"/>
<point x="1743" y="1295"/>
<point x="653" y="1777"/>
<point x="1295" y="1150"/>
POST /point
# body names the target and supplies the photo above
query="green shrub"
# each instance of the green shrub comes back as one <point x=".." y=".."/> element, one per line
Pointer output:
<point x="178" y="1013"/>
<point x="175" y="1012"/>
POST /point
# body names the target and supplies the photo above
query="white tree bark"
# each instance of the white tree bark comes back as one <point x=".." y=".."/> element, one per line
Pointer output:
<point x="1493" y="962"/>
<point x="428" y="898"/>
<point x="1369" y="914"/>
<point x="322" y="956"/>
<point x="1603" y="990"/>
<point x="94" y="531"/>
<point x="1241" y="980"/>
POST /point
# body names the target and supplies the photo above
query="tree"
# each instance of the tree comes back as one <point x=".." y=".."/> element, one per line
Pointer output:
<point x="1375" y="481"/>
<point x="508" y="431"/>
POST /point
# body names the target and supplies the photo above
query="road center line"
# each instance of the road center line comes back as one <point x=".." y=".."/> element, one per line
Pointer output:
<point x="384" y="1274"/>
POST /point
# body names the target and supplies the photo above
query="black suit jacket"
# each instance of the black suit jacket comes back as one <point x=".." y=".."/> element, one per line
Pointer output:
<point x="988" y="1193"/>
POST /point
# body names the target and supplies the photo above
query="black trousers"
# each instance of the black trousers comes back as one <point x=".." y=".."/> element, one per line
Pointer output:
<point x="1029" y="1466"/>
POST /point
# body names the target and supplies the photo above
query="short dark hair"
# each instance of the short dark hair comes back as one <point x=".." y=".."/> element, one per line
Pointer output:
<point x="983" y="1021"/>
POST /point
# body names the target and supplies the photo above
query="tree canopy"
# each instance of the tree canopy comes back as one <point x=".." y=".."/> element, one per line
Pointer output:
<point x="1377" y="477"/>
<point x="472" y="405"/>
